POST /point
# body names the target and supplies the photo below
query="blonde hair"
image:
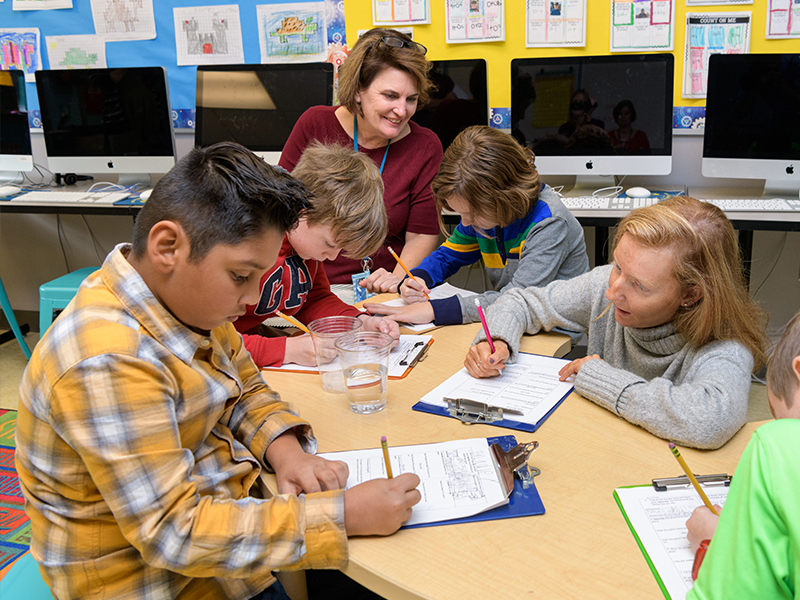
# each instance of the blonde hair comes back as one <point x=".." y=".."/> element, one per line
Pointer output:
<point x="781" y="378"/>
<point x="347" y="195"/>
<point x="370" y="56"/>
<point x="706" y="252"/>
<point x="492" y="172"/>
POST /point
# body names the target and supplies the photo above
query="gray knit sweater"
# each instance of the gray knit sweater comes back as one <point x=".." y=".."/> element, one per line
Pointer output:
<point x="651" y="377"/>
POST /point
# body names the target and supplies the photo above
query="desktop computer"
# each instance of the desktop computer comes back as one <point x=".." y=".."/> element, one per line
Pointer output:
<point x="752" y="128"/>
<point x="595" y="116"/>
<point x="16" y="155"/>
<point x="460" y="100"/>
<point x="257" y="105"/>
<point x="107" y="121"/>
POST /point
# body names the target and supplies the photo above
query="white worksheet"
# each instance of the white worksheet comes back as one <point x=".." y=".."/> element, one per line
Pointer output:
<point x="530" y="386"/>
<point x="659" y="520"/>
<point x="458" y="479"/>
<point x="400" y="359"/>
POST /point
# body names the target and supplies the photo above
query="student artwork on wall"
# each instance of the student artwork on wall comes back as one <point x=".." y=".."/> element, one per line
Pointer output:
<point x="75" y="51"/>
<point x="475" y="21"/>
<point x="208" y="35"/>
<point x="388" y="13"/>
<point x="19" y="50"/>
<point x="642" y="25"/>
<point x="553" y="23"/>
<point x="783" y="19"/>
<point x="707" y="34"/>
<point x="704" y="2"/>
<point x="292" y="32"/>
<point x="41" y="4"/>
<point x="124" y="19"/>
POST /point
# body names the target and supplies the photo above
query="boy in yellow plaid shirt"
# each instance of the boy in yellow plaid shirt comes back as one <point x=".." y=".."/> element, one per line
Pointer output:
<point x="144" y="425"/>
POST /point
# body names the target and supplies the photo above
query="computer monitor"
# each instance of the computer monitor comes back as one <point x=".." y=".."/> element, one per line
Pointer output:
<point x="593" y="116"/>
<point x="107" y="121"/>
<point x="461" y="98"/>
<point x="257" y="105"/>
<point x="16" y="155"/>
<point x="753" y="120"/>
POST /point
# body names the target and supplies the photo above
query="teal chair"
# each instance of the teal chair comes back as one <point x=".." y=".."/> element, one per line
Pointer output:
<point x="55" y="295"/>
<point x="12" y="320"/>
<point x="24" y="581"/>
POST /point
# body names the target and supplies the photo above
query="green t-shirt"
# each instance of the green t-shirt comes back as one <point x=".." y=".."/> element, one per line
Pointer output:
<point x="755" y="552"/>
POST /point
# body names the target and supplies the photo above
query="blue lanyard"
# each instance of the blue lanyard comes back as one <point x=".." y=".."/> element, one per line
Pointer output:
<point x="355" y="143"/>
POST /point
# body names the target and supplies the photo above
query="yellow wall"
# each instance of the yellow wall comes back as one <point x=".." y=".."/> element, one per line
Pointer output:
<point x="498" y="55"/>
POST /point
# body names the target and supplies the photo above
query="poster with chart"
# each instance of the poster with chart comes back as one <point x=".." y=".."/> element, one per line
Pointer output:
<point x="553" y="23"/>
<point x="783" y="19"/>
<point x="292" y="32"/>
<point x="475" y="21"/>
<point x="75" y="51"/>
<point x="642" y="25"/>
<point x="707" y="34"/>
<point x="388" y="13"/>
<point x="41" y="4"/>
<point x="124" y="19"/>
<point x="208" y="35"/>
<point x="19" y="50"/>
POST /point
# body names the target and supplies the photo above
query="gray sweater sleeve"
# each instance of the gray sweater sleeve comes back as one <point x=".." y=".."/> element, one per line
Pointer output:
<point x="546" y="249"/>
<point x="704" y="411"/>
<point x="562" y="303"/>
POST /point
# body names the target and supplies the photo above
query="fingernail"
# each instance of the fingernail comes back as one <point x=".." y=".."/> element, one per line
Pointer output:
<point x="491" y="361"/>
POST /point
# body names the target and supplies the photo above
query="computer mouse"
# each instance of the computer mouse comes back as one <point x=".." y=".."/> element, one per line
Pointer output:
<point x="145" y="195"/>
<point x="8" y="190"/>
<point x="638" y="192"/>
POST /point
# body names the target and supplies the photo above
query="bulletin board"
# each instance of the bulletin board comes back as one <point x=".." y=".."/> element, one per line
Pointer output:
<point x="160" y="51"/>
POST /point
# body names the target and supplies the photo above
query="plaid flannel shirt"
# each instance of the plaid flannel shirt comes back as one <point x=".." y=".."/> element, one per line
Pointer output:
<point x="139" y="448"/>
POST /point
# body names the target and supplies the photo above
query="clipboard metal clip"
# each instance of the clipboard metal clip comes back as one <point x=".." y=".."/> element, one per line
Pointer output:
<point x="514" y="462"/>
<point x="471" y="411"/>
<point x="673" y="483"/>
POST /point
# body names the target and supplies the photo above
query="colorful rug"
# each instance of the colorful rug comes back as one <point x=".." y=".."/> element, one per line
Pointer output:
<point x="15" y="529"/>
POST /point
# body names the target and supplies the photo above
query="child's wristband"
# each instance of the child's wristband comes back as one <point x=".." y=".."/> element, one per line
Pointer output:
<point x="698" y="557"/>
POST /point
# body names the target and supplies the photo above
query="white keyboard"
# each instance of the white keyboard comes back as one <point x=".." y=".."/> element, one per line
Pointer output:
<point x="60" y="197"/>
<point x="600" y="203"/>
<point x="755" y="204"/>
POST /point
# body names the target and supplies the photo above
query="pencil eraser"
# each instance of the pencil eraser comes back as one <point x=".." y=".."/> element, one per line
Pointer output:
<point x="383" y="439"/>
<point x="477" y="301"/>
<point x="671" y="445"/>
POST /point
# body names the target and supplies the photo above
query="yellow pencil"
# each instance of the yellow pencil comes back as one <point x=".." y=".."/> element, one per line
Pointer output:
<point x="405" y="268"/>
<point x="292" y="320"/>
<point x="385" y="447"/>
<point x="692" y="478"/>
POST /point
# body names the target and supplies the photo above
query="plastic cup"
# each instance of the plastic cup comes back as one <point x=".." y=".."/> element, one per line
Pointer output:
<point x="324" y="333"/>
<point x="365" y="362"/>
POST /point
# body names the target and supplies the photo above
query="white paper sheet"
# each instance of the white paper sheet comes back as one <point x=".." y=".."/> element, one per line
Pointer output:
<point x="406" y="351"/>
<point x="530" y="385"/>
<point x="659" y="519"/>
<point x="458" y="479"/>
<point x="76" y="51"/>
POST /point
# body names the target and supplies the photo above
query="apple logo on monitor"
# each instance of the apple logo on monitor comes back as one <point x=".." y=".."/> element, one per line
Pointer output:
<point x="589" y="165"/>
<point x="111" y="164"/>
<point x="790" y="170"/>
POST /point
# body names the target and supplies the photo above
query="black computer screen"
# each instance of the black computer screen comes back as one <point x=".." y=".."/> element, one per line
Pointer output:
<point x="106" y="112"/>
<point x="257" y="105"/>
<point x="594" y="105"/>
<point x="16" y="135"/>
<point x="459" y="100"/>
<point x="753" y="107"/>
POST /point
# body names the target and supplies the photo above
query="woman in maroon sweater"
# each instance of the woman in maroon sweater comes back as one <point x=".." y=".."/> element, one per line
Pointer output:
<point x="381" y="83"/>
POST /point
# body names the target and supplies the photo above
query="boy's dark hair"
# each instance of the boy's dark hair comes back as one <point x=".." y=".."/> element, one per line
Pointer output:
<point x="781" y="379"/>
<point x="222" y="194"/>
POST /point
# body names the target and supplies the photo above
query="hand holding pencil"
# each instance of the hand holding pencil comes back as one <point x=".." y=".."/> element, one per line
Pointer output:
<point x="404" y="267"/>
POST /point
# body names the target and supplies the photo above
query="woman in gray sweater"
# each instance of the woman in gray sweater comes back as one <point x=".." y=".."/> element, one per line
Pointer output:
<point x="673" y="334"/>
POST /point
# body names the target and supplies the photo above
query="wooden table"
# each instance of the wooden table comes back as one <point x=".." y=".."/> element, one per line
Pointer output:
<point x="580" y="548"/>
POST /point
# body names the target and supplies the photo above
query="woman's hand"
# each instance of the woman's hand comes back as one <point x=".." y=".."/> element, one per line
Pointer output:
<point x="481" y="362"/>
<point x="414" y="290"/>
<point x="380" y="281"/>
<point x="575" y="366"/>
<point x="419" y="313"/>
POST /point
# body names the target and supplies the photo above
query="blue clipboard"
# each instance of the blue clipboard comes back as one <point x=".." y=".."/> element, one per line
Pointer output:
<point x="522" y="502"/>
